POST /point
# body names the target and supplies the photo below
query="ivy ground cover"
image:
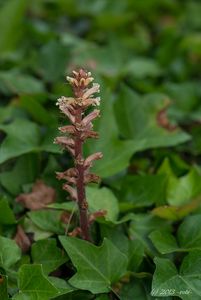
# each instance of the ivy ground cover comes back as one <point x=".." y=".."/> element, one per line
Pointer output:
<point x="146" y="56"/>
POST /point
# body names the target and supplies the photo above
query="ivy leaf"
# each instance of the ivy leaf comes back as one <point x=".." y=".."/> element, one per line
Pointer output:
<point x="107" y="60"/>
<point x="185" y="96"/>
<point x="188" y="237"/>
<point x="69" y="206"/>
<point x="103" y="297"/>
<point x="12" y="10"/>
<point x="3" y="287"/>
<point x="48" y="220"/>
<point x="103" y="199"/>
<point x="10" y="253"/>
<point x="33" y="284"/>
<point x="47" y="253"/>
<point x="95" y="265"/>
<point x="189" y="233"/>
<point x="18" y="142"/>
<point x="186" y="283"/>
<point x="142" y="225"/>
<point x="24" y="172"/>
<point x="6" y="214"/>
<point x="133" y="249"/>
<point x="116" y="153"/>
<point x="52" y="60"/>
<point x="182" y="190"/>
<point x="142" y="67"/>
<point x="164" y="241"/>
<point x="135" y="255"/>
<point x="13" y="82"/>
<point x="176" y="213"/>
<point x="133" y="191"/>
<point x="63" y="286"/>
<point x="137" y="288"/>
<point x="74" y="295"/>
<point x="137" y="120"/>
<point x="117" y="236"/>
<point x="47" y="143"/>
<point x="36" y="110"/>
<point x="38" y="233"/>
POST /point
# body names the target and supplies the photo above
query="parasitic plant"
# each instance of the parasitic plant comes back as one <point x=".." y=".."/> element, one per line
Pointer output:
<point x="74" y="135"/>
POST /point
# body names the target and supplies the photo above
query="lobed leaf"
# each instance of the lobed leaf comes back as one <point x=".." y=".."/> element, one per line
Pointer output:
<point x="95" y="265"/>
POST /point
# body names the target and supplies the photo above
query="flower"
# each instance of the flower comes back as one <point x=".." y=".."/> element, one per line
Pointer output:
<point x="91" y="91"/>
<point x="74" y="135"/>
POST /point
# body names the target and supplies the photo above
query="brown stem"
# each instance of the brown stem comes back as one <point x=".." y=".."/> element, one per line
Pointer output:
<point x="81" y="195"/>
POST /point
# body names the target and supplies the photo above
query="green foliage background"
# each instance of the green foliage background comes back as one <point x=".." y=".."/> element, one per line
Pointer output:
<point x="146" y="55"/>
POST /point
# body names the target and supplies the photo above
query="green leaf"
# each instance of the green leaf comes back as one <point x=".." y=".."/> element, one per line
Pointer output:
<point x="137" y="288"/>
<point x="76" y="295"/>
<point x="10" y="253"/>
<point x="137" y="120"/>
<point x="36" y="110"/>
<point x="185" y="96"/>
<point x="181" y="190"/>
<point x="142" y="67"/>
<point x="13" y="10"/>
<point x="6" y="214"/>
<point x="47" y="253"/>
<point x="166" y="168"/>
<point x="103" y="199"/>
<point x="133" y="249"/>
<point x="116" y="153"/>
<point x="95" y="265"/>
<point x="167" y="281"/>
<point x="48" y="220"/>
<point x="107" y="60"/>
<point x="63" y="286"/>
<point x="164" y="241"/>
<point x="33" y="284"/>
<point x="117" y="236"/>
<point x="188" y="237"/>
<point x="18" y="141"/>
<point x="142" y="225"/>
<point x="37" y="232"/>
<point x="7" y="113"/>
<point x="47" y="142"/>
<point x="69" y="206"/>
<point x="176" y="212"/>
<point x="13" y="82"/>
<point x="52" y="60"/>
<point x="133" y="190"/>
<point x="103" y="297"/>
<point x="189" y="233"/>
<point x="135" y="254"/>
<point x="51" y="165"/>
<point x="3" y="287"/>
<point x="24" y="171"/>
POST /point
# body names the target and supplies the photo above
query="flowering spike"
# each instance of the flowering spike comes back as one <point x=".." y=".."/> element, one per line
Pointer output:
<point x="91" y="177"/>
<point x="87" y="120"/>
<point x="89" y="134"/>
<point x="67" y="129"/>
<point x="97" y="214"/>
<point x="74" y="135"/>
<point x="71" y="191"/>
<point x="91" y="91"/>
<point x="88" y="161"/>
<point x="64" y="141"/>
<point x="70" y="172"/>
